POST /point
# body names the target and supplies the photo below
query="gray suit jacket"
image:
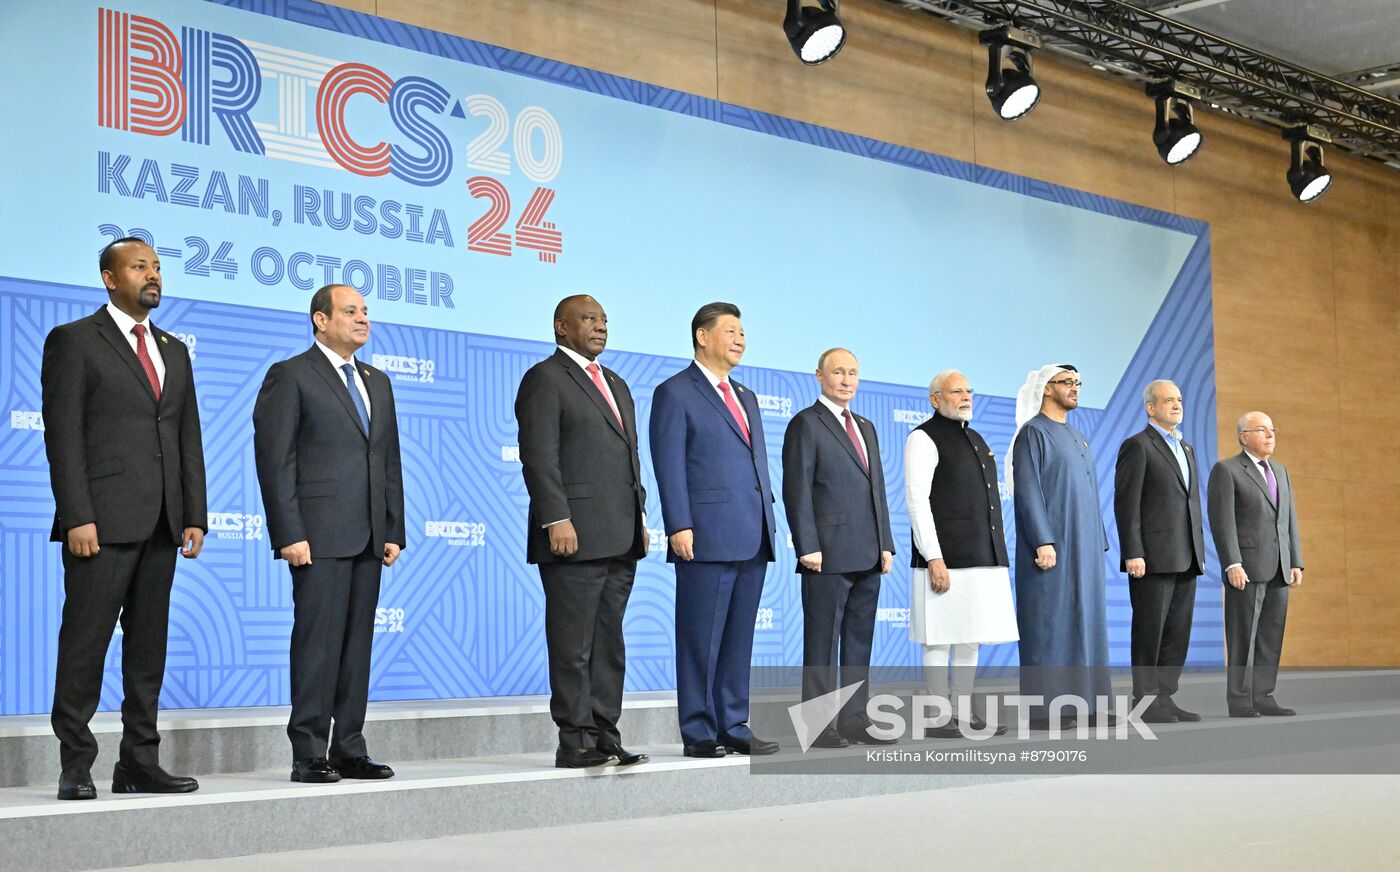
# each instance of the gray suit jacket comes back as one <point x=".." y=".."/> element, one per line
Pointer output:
<point x="1248" y="529"/>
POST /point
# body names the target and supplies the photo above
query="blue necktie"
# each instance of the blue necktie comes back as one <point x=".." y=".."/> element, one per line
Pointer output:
<point x="359" y="401"/>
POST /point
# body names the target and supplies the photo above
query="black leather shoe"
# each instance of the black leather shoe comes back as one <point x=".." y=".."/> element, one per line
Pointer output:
<point x="580" y="758"/>
<point x="707" y="748"/>
<point x="1244" y="713"/>
<point x="76" y="785"/>
<point x="977" y="725"/>
<point x="863" y="737"/>
<point x="127" y="778"/>
<point x="1181" y="714"/>
<point x="1158" y="713"/>
<point x="1067" y="722"/>
<point x="366" y="768"/>
<point x="752" y="746"/>
<point x="1274" y="710"/>
<point x="1105" y="718"/>
<point x="956" y="729"/>
<point x="316" y="770"/>
<point x="829" y="738"/>
<point x="624" y="756"/>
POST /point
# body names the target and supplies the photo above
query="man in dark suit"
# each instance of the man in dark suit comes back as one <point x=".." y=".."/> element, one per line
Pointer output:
<point x="1255" y="523"/>
<point x="711" y="464"/>
<point x="326" y="441"/>
<point x="578" y="451"/>
<point x="1157" y="502"/>
<point x="834" y="494"/>
<point x="126" y="461"/>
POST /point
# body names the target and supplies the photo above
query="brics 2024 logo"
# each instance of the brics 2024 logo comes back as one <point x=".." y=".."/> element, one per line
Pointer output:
<point x="236" y="525"/>
<point x="468" y="534"/>
<point x="151" y="83"/>
<point x="411" y="369"/>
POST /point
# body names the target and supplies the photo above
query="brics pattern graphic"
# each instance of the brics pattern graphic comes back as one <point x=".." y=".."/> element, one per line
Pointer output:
<point x="267" y="147"/>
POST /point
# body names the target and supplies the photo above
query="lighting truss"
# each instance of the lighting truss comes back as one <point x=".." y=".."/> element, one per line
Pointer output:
<point x="1128" y="40"/>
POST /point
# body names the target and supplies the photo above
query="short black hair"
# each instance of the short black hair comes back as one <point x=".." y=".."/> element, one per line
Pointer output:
<point x="707" y="316"/>
<point x="104" y="260"/>
<point x="563" y="304"/>
<point x="321" y="302"/>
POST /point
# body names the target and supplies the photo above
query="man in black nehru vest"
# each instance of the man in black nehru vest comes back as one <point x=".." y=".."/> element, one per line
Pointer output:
<point x="126" y="460"/>
<point x="578" y="451"/>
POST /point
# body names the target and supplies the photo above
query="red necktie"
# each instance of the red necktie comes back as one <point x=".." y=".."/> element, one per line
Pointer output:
<point x="598" y="380"/>
<point x="733" y="405"/>
<point x="145" y="357"/>
<point x="855" y="440"/>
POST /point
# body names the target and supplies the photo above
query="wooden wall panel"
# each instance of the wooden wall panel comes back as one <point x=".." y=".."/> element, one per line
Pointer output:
<point x="1307" y="298"/>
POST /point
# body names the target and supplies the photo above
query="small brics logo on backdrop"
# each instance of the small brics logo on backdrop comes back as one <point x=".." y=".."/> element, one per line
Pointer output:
<point x="153" y="83"/>
<point x="406" y="369"/>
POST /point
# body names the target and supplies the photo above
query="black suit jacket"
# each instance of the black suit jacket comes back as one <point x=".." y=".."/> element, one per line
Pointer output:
<point x="578" y="463"/>
<point x="834" y="505"/>
<point x="1159" y="515"/>
<point x="116" y="455"/>
<point x="322" y="480"/>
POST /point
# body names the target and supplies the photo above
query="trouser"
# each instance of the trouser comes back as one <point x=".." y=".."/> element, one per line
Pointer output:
<point x="838" y="620"/>
<point x="1163" y="604"/>
<point x="583" y="607"/>
<point x="133" y="581"/>
<point x="334" y="600"/>
<point x="1254" y="620"/>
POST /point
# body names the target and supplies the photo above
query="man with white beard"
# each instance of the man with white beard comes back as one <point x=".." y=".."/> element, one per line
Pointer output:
<point x="961" y="591"/>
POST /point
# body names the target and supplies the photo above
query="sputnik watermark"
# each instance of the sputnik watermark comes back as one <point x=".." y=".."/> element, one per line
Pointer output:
<point x="930" y="712"/>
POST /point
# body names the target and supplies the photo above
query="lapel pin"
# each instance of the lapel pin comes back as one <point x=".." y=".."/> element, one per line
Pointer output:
<point x="364" y="372"/>
<point x="165" y="339"/>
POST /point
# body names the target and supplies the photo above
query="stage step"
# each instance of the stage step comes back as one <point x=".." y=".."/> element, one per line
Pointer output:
<point x="261" y="811"/>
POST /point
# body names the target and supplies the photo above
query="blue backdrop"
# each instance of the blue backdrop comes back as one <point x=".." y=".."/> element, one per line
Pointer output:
<point x="267" y="147"/>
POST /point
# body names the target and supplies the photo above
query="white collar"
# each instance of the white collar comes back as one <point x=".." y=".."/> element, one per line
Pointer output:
<point x="579" y="358"/>
<point x="1257" y="460"/>
<point x="125" y="322"/>
<point x="835" y="409"/>
<point x="336" y="360"/>
<point x="714" y="379"/>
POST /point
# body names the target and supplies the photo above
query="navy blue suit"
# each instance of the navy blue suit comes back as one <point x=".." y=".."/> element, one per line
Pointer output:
<point x="836" y="505"/>
<point x="715" y="484"/>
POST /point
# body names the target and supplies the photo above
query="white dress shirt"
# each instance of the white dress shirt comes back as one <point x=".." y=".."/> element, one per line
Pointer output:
<point x="585" y="363"/>
<point x="715" y="382"/>
<point x="124" y="324"/>
<point x="337" y="362"/>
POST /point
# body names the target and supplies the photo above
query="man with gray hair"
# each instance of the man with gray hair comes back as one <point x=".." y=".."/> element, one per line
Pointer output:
<point x="1255" y="523"/>
<point x="961" y="590"/>
<point x="1157" y="503"/>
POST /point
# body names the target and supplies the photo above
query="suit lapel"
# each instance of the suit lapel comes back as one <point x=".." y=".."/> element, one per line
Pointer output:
<point x="1165" y="450"/>
<point x="1256" y="475"/>
<point x="174" y="375"/>
<point x="707" y="390"/>
<point x="336" y="382"/>
<point x="839" y="433"/>
<point x="590" y="390"/>
<point x="108" y="329"/>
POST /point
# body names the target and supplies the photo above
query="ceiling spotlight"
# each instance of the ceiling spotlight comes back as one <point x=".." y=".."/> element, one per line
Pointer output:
<point x="816" y="33"/>
<point x="1176" y="136"/>
<point x="1010" y="85"/>
<point x="1308" y="177"/>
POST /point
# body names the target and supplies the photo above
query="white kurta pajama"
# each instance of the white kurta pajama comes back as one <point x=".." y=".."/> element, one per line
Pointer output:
<point x="977" y="607"/>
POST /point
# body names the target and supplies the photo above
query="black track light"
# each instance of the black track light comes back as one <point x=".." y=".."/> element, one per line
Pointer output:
<point x="1176" y="136"/>
<point x="816" y="33"/>
<point x="1308" y="176"/>
<point x="1010" y="84"/>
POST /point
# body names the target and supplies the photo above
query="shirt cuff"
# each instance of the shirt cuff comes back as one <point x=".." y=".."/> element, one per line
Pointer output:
<point x="552" y="523"/>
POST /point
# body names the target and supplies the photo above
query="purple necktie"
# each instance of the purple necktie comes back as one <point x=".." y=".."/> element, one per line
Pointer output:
<point x="1273" y="483"/>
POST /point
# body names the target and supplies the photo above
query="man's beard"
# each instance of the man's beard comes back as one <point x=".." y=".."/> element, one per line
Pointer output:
<point x="956" y="415"/>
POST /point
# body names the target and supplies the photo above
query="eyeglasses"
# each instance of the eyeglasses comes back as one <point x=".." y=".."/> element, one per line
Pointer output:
<point x="1271" y="431"/>
<point x="1067" y="382"/>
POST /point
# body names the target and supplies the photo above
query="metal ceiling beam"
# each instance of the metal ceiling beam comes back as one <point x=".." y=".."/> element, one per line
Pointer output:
<point x="1133" y="40"/>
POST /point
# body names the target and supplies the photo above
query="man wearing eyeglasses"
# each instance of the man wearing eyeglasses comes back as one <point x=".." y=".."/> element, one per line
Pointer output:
<point x="1249" y="500"/>
<point x="1157" y="503"/>
<point x="1060" y="541"/>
